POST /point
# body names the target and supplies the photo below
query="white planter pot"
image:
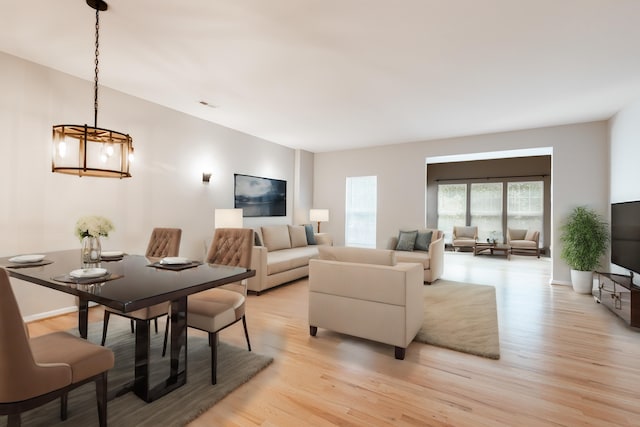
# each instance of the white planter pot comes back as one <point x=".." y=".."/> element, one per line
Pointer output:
<point x="582" y="281"/>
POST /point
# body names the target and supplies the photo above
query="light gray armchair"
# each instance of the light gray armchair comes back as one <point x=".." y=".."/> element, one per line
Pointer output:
<point x="464" y="237"/>
<point x="524" y="241"/>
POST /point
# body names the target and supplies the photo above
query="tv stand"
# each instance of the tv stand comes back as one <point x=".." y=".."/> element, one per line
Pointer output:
<point x="620" y="295"/>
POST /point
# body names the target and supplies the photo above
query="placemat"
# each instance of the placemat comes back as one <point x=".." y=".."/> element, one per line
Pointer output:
<point x="27" y="264"/>
<point x="175" y="267"/>
<point x="65" y="278"/>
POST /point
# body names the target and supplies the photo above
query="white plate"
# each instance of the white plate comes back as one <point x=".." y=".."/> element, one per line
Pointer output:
<point x="27" y="258"/>
<point x="85" y="273"/>
<point x="175" y="260"/>
<point x="111" y="254"/>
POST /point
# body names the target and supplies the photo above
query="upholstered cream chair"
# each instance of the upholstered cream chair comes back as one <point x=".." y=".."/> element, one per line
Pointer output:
<point x="524" y="241"/>
<point x="464" y="237"/>
<point x="163" y="242"/>
<point x="38" y="370"/>
<point x="365" y="293"/>
<point x="215" y="309"/>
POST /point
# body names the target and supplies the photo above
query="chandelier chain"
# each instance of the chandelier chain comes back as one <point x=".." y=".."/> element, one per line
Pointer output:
<point x="95" y="79"/>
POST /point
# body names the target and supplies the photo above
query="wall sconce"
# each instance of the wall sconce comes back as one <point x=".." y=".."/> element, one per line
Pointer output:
<point x="319" y="215"/>
<point x="206" y="177"/>
<point x="228" y="218"/>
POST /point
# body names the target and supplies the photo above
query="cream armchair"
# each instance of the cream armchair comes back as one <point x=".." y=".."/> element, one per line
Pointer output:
<point x="365" y="293"/>
<point x="464" y="237"/>
<point x="524" y="241"/>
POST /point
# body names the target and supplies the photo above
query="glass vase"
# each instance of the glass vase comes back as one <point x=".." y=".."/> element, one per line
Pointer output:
<point x="91" y="251"/>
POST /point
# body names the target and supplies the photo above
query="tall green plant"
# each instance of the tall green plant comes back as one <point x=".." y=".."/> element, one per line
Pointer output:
<point x="585" y="238"/>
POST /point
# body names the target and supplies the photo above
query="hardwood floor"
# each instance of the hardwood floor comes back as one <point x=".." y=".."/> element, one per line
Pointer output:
<point x="565" y="361"/>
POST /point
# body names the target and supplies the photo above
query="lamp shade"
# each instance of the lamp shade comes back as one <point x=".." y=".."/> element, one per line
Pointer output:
<point x="228" y="218"/>
<point x="319" y="215"/>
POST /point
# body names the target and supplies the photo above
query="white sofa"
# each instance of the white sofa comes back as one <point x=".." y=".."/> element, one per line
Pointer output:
<point x="367" y="294"/>
<point x="282" y="254"/>
<point x="431" y="259"/>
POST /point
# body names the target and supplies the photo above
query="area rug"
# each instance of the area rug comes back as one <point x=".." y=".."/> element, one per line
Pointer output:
<point x="235" y="367"/>
<point x="461" y="317"/>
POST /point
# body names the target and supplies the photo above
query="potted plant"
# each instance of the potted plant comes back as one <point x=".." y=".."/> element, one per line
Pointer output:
<point x="585" y="238"/>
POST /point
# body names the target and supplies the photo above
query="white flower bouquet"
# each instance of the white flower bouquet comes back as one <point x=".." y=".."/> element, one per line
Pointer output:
<point x="93" y="226"/>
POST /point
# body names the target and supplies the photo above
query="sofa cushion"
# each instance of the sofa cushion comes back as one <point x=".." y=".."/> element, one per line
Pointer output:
<point x="415" y="256"/>
<point x="406" y="240"/>
<point x="531" y="235"/>
<point x="423" y="240"/>
<point x="311" y="238"/>
<point x="276" y="237"/>
<point x="288" y="259"/>
<point x="298" y="236"/>
<point x="357" y="255"/>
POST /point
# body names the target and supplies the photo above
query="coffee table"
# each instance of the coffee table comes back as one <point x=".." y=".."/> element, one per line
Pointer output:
<point x="483" y="248"/>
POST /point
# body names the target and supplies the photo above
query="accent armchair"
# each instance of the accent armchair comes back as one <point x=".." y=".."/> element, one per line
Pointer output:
<point x="464" y="237"/>
<point x="365" y="293"/>
<point x="38" y="370"/>
<point x="524" y="241"/>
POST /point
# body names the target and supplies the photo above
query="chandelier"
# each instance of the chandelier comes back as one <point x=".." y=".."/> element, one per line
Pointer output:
<point x="89" y="150"/>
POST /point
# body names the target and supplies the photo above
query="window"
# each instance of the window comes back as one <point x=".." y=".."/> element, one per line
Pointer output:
<point x="361" y="207"/>
<point x="486" y="210"/>
<point x="525" y="206"/>
<point x="452" y="207"/>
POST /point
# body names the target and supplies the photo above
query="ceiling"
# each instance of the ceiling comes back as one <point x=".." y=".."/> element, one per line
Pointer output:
<point x="324" y="75"/>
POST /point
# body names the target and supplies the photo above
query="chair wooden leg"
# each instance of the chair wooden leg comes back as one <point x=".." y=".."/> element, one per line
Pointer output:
<point x="246" y="332"/>
<point x="132" y="326"/>
<point x="166" y="336"/>
<point x="400" y="353"/>
<point x="313" y="330"/>
<point x="105" y="324"/>
<point x="101" y="399"/>
<point x="156" y="324"/>
<point x="63" y="406"/>
<point x="213" y="340"/>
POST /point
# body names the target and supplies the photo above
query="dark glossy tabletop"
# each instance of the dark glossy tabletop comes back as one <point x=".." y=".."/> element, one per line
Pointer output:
<point x="139" y="285"/>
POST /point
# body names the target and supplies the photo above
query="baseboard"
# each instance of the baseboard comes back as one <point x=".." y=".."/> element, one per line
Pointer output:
<point x="53" y="313"/>
<point x="560" y="282"/>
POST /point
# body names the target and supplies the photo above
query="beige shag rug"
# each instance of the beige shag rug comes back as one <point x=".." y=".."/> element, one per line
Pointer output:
<point x="461" y="317"/>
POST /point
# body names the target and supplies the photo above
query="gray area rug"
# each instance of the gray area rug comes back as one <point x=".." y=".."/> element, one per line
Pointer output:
<point x="461" y="317"/>
<point x="235" y="367"/>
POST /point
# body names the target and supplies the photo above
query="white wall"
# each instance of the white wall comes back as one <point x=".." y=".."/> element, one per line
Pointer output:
<point x="625" y="155"/>
<point x="39" y="208"/>
<point x="580" y="175"/>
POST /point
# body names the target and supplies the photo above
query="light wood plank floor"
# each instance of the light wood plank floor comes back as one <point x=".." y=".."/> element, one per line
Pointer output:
<point x="565" y="361"/>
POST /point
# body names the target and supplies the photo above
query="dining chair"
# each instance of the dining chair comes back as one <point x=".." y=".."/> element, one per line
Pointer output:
<point x="215" y="309"/>
<point x="34" y="371"/>
<point x="163" y="242"/>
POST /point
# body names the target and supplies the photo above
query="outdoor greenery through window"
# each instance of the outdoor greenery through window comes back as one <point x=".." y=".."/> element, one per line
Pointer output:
<point x="493" y="206"/>
<point x="525" y="208"/>
<point x="486" y="210"/>
<point x="452" y="207"/>
<point x="361" y="209"/>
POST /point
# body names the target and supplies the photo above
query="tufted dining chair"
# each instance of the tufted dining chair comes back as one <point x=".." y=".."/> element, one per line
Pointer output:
<point x="38" y="370"/>
<point x="163" y="242"/>
<point x="215" y="309"/>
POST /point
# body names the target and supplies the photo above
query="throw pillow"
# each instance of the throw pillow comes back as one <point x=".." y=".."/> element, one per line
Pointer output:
<point x="298" y="236"/>
<point x="406" y="240"/>
<point x="311" y="238"/>
<point x="423" y="240"/>
<point x="276" y="237"/>
<point x="256" y="239"/>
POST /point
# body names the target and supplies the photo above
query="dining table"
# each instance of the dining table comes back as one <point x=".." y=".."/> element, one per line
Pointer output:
<point x="132" y="282"/>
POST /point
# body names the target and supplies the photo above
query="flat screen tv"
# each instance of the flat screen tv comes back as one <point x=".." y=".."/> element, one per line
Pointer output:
<point x="625" y="235"/>
<point x="260" y="196"/>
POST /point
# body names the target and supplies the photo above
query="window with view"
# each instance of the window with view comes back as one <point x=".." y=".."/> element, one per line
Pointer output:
<point x="361" y="210"/>
<point x="452" y="208"/>
<point x="486" y="210"/>
<point x="525" y="206"/>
